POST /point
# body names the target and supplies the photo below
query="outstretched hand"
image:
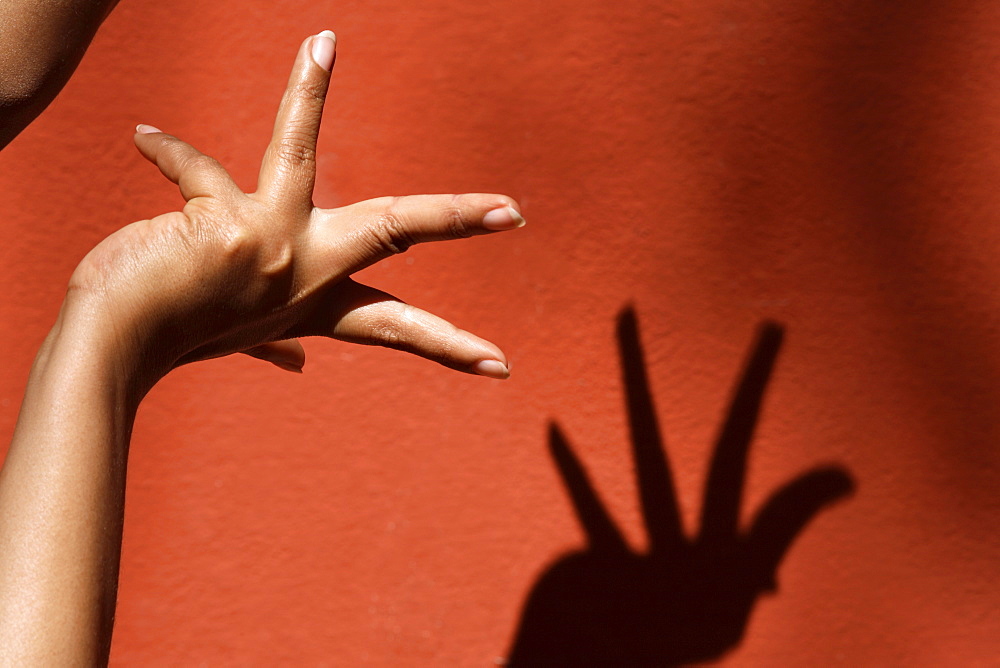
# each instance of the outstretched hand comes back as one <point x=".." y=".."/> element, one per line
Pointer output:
<point x="230" y="272"/>
<point x="236" y="272"/>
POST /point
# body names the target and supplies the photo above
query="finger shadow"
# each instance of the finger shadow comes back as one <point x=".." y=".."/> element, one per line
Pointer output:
<point x="688" y="598"/>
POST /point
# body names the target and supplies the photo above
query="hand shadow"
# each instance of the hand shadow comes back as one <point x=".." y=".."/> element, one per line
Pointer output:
<point x="686" y="599"/>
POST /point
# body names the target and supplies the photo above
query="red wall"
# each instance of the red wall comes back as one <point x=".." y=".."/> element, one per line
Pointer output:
<point x="831" y="167"/>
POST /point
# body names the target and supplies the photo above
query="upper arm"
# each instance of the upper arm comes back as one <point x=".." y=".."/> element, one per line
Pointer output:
<point x="41" y="43"/>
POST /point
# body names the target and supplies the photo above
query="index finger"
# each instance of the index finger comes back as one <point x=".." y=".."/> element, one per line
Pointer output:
<point x="288" y="171"/>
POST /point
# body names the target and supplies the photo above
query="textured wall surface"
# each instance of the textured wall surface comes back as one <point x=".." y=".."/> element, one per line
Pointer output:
<point x="829" y="167"/>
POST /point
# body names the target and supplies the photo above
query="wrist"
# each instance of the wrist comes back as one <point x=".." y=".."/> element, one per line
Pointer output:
<point x="104" y="346"/>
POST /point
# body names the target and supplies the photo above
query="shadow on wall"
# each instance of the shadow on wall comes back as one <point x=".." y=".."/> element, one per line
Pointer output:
<point x="687" y="599"/>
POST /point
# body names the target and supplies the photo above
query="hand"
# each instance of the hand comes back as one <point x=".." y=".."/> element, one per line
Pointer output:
<point x="250" y="272"/>
<point x="686" y="599"/>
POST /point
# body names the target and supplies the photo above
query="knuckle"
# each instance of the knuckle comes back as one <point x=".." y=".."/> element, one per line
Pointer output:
<point x="296" y="149"/>
<point x="387" y="331"/>
<point x="457" y="223"/>
<point x="237" y="244"/>
<point x="278" y="261"/>
<point x="200" y="162"/>
<point x="391" y="234"/>
<point x="242" y="245"/>
<point x="312" y="91"/>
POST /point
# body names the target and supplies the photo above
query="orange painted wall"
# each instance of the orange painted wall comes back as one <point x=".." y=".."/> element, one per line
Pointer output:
<point x="831" y="167"/>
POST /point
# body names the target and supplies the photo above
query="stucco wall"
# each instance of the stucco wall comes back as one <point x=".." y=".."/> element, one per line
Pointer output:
<point x="829" y="167"/>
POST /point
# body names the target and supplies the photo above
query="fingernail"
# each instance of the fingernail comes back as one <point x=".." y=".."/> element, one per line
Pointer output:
<point x="323" y="48"/>
<point x="288" y="366"/>
<point x="144" y="129"/>
<point x="504" y="218"/>
<point x="492" y="369"/>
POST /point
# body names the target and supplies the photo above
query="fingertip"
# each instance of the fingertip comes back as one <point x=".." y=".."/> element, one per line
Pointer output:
<point x="503" y="218"/>
<point x="492" y="369"/>
<point x="143" y="142"/>
<point x="151" y="141"/>
<point x="288" y="366"/>
<point x="485" y="351"/>
<point x="495" y="212"/>
<point x="147" y="135"/>
<point x="287" y="355"/>
<point x="323" y="49"/>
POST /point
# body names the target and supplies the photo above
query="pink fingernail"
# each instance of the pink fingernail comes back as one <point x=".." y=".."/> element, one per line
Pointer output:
<point x="324" y="45"/>
<point x="144" y="129"/>
<point x="492" y="369"/>
<point x="504" y="218"/>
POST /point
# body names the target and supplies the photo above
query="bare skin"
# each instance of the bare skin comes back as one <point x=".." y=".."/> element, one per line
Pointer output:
<point x="230" y="272"/>
<point x="41" y="43"/>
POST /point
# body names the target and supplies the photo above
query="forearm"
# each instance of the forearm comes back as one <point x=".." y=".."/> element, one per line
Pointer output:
<point x="41" y="43"/>
<point x="62" y="499"/>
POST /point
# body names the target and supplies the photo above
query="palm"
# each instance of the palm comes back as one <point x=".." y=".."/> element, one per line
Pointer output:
<point x="687" y="599"/>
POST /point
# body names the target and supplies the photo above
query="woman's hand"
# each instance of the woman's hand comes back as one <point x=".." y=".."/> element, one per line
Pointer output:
<point x="230" y="272"/>
<point x="250" y="272"/>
